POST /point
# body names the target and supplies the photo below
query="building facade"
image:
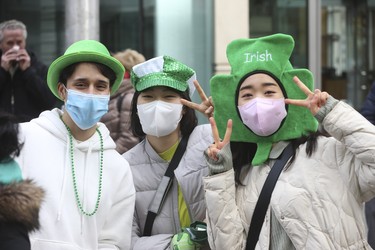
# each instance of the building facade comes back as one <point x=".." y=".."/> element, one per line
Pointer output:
<point x="334" y="38"/>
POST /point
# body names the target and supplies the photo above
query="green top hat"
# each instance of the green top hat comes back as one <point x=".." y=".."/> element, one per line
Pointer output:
<point x="163" y="71"/>
<point x="270" y="55"/>
<point x="84" y="51"/>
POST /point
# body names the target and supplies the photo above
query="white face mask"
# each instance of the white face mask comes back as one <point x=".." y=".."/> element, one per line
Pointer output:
<point x="159" y="118"/>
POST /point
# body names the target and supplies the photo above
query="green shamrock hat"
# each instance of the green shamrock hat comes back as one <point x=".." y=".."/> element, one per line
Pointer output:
<point x="270" y="55"/>
<point x="163" y="71"/>
<point x="84" y="51"/>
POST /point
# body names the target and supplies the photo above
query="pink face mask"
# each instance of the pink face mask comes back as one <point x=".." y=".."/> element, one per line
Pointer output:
<point x="263" y="115"/>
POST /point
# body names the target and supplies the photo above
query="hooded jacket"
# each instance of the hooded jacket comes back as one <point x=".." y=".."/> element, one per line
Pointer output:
<point x="148" y="168"/>
<point x="46" y="158"/>
<point x="318" y="200"/>
<point x="19" y="213"/>
<point x="117" y="119"/>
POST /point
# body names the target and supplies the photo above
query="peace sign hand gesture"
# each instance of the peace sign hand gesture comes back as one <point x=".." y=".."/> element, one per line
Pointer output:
<point x="214" y="149"/>
<point x="314" y="101"/>
<point x="206" y="107"/>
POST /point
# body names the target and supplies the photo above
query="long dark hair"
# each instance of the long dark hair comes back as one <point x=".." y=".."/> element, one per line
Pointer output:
<point x="243" y="152"/>
<point x="187" y="124"/>
<point x="10" y="145"/>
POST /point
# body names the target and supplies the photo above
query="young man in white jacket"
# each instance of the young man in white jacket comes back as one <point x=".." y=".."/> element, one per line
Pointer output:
<point x="90" y="195"/>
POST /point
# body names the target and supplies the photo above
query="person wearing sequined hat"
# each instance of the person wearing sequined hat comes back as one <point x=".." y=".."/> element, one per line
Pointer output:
<point x="266" y="110"/>
<point x="165" y="124"/>
<point x="89" y="187"/>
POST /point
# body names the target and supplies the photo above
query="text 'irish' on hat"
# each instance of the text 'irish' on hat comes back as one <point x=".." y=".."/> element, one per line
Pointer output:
<point x="163" y="71"/>
<point x="84" y="51"/>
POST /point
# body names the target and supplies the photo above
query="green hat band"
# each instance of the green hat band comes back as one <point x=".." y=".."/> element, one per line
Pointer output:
<point x="268" y="54"/>
<point x="163" y="71"/>
<point x="84" y="51"/>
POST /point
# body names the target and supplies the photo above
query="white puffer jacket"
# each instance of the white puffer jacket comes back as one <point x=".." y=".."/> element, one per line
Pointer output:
<point x="318" y="200"/>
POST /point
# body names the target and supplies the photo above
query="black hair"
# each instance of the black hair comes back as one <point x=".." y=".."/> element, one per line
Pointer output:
<point x="10" y="145"/>
<point x="244" y="152"/>
<point x="187" y="124"/>
<point x="103" y="69"/>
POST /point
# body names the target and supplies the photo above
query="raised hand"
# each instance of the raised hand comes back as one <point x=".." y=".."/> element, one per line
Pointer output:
<point x="314" y="101"/>
<point x="206" y="107"/>
<point x="23" y="59"/>
<point x="15" y="56"/>
<point x="8" y="59"/>
<point x="219" y="144"/>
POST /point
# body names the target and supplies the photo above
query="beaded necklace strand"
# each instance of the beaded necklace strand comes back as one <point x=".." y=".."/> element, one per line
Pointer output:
<point x="79" y="203"/>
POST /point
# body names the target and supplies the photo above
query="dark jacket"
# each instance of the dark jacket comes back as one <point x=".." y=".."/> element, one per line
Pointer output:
<point x="368" y="111"/>
<point x="368" y="108"/>
<point x="29" y="89"/>
<point x="19" y="213"/>
<point x="117" y="119"/>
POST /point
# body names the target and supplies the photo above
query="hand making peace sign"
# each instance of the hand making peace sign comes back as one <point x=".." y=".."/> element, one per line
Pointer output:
<point x="206" y="107"/>
<point x="218" y="144"/>
<point x="314" y="101"/>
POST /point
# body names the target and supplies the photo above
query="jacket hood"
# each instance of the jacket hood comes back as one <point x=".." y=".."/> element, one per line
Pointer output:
<point x="20" y="202"/>
<point x="125" y="87"/>
<point x="51" y="121"/>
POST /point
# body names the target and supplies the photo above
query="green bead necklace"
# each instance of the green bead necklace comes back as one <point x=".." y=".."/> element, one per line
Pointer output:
<point x="79" y="203"/>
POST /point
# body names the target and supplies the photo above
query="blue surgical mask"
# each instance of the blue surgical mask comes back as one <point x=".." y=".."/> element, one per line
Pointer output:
<point x="86" y="109"/>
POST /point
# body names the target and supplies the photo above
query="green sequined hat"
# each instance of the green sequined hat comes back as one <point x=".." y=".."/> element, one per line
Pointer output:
<point x="270" y="55"/>
<point x="163" y="71"/>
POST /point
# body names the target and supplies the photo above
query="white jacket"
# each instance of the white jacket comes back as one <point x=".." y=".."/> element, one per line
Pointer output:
<point x="45" y="157"/>
<point x="318" y="200"/>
